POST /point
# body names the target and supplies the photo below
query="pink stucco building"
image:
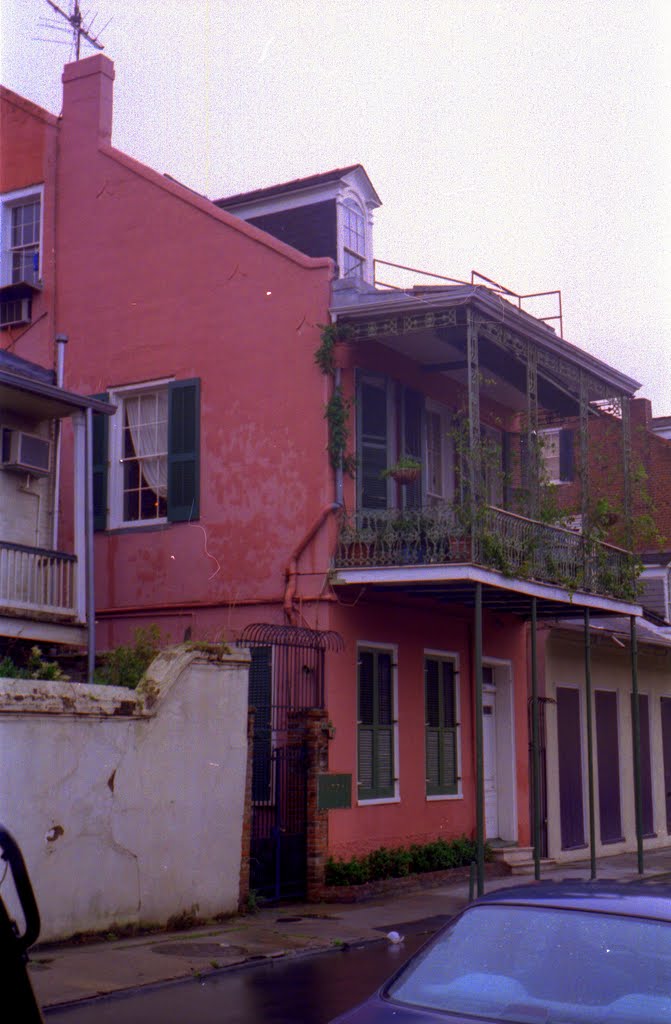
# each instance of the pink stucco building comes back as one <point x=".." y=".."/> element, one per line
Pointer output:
<point x="221" y="485"/>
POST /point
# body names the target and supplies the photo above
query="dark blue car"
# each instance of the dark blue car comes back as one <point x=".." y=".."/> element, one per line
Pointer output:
<point x="560" y="953"/>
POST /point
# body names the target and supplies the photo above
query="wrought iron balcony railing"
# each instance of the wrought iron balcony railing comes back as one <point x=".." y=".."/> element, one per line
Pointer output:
<point x="493" y="538"/>
<point x="37" y="581"/>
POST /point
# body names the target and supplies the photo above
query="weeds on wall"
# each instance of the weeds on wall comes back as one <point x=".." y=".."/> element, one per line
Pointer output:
<point x="125" y="665"/>
<point x="400" y="861"/>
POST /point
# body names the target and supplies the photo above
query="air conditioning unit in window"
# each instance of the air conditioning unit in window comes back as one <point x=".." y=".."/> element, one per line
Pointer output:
<point x="14" y="312"/>
<point x="25" y="453"/>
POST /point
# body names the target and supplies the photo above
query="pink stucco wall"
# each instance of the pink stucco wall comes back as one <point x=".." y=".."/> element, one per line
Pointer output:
<point x="156" y="282"/>
<point x="448" y="629"/>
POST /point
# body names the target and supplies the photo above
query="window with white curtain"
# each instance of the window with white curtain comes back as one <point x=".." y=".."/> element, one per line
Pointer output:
<point x="139" y="450"/>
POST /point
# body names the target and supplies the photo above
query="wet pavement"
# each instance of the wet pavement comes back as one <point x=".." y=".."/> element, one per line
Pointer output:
<point x="65" y="973"/>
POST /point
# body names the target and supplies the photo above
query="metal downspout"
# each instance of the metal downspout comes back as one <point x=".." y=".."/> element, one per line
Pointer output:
<point x="291" y="571"/>
<point x="535" y="742"/>
<point x="636" y="729"/>
<point x="339" y="485"/>
<point x="590" y="748"/>
<point x="479" y="746"/>
<point x="61" y="342"/>
<point x="90" y="577"/>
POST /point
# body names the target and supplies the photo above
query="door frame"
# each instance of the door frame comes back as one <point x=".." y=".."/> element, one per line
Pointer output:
<point x="506" y="774"/>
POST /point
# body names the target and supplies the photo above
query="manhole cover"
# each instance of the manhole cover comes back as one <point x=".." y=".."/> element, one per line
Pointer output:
<point x="211" y="950"/>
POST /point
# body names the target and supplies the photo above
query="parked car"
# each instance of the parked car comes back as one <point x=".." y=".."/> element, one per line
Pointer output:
<point x="545" y="953"/>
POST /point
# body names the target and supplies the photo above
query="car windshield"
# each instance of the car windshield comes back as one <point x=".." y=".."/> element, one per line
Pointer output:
<point x="544" y="966"/>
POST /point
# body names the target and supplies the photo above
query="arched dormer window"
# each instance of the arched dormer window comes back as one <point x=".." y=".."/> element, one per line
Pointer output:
<point x="354" y="239"/>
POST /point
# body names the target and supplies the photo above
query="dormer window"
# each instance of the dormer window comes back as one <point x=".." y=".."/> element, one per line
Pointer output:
<point x="354" y="240"/>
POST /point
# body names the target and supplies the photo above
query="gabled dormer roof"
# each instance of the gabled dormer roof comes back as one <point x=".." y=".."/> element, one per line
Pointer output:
<point x="304" y="190"/>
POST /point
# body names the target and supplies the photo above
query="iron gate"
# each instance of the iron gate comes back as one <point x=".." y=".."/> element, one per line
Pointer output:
<point x="286" y="679"/>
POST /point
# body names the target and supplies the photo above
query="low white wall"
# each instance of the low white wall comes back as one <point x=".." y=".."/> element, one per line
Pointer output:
<point x="129" y="806"/>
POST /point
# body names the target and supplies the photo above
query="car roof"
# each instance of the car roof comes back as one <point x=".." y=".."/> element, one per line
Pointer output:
<point x="633" y="899"/>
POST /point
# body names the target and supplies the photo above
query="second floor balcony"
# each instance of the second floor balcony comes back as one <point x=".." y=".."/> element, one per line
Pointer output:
<point x="445" y="533"/>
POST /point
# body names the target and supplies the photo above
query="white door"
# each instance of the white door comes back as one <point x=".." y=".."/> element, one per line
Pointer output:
<point x="489" y="758"/>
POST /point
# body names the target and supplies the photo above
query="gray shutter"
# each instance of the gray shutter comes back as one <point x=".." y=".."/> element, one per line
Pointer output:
<point x="373" y="441"/>
<point x="100" y="446"/>
<point x="183" y="450"/>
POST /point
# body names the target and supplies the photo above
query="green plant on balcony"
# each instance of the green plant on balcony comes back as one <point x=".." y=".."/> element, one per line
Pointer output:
<point x="405" y="470"/>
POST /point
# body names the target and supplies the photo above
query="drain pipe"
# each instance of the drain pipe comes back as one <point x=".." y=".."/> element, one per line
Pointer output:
<point x="291" y="571"/>
<point x="61" y="342"/>
<point x="90" y="580"/>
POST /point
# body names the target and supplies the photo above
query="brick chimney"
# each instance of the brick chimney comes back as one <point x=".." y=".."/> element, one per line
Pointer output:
<point x="88" y="90"/>
<point x="641" y="413"/>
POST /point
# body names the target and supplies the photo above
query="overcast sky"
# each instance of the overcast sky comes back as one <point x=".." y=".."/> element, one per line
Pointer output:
<point x="527" y="139"/>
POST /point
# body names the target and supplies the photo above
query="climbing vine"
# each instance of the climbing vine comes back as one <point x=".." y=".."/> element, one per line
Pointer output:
<point x="338" y="407"/>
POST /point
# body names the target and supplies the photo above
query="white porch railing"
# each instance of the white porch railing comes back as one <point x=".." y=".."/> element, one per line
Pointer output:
<point x="37" y="580"/>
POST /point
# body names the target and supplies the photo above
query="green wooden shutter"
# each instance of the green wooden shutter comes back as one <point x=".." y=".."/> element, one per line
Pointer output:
<point x="441" y="727"/>
<point x="100" y="446"/>
<point x="260" y="698"/>
<point x="372" y="441"/>
<point x="183" y="450"/>
<point x="376" y="725"/>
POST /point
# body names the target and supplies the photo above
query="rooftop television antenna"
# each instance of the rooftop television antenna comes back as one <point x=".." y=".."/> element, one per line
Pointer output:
<point x="79" y="29"/>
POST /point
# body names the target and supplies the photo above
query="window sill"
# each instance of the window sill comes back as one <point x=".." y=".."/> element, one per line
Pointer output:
<point x="139" y="528"/>
<point x="378" y="800"/>
<point x="444" y="796"/>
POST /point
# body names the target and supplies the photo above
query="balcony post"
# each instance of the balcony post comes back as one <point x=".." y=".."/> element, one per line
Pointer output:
<point x="535" y="742"/>
<point x="79" y="503"/>
<point x="626" y="470"/>
<point x="584" y="476"/>
<point x="474" y="444"/>
<point x="532" y="431"/>
<point x="636" y="731"/>
<point x="590" y="747"/>
<point x="479" y="745"/>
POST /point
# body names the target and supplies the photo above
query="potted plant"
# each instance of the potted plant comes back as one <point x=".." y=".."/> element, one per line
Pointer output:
<point x="405" y="470"/>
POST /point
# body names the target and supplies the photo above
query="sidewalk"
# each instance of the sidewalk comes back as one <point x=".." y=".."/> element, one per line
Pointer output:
<point x="64" y="973"/>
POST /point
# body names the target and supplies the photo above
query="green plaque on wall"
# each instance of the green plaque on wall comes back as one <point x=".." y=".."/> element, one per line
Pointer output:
<point x="334" y="791"/>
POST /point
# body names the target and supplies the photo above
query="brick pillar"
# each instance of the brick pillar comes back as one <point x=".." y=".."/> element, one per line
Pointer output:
<point x="243" y="897"/>
<point x="316" y="737"/>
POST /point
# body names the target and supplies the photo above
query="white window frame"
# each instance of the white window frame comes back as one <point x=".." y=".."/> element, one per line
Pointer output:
<point x="551" y="435"/>
<point x="8" y="201"/>
<point x="433" y="408"/>
<point x="116" y="482"/>
<point x="391" y="649"/>
<point x="366" y="274"/>
<point x="453" y="657"/>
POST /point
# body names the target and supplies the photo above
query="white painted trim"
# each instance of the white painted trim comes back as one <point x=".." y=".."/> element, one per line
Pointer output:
<point x="115" y="518"/>
<point x="7" y="201"/>
<point x="462" y="572"/>
<point x="503" y="694"/>
<point x="447" y="450"/>
<point x="46" y="632"/>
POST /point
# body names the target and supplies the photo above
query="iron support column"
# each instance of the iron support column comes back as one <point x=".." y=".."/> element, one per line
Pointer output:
<point x="535" y="744"/>
<point x="636" y="729"/>
<point x="479" y="745"/>
<point x="474" y="442"/>
<point x="90" y="577"/>
<point x="532" y="431"/>
<point x="590" y="748"/>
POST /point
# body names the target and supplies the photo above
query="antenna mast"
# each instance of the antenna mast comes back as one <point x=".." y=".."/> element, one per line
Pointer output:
<point x="76" y="21"/>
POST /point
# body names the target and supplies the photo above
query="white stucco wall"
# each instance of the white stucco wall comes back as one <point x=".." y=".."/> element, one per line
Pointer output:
<point x="610" y="670"/>
<point x="128" y="806"/>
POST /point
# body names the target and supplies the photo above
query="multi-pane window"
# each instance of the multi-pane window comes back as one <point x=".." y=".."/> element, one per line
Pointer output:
<point x="376" y="724"/>
<point x="442" y="772"/>
<point x="354" y="239"/>
<point x="25" y="240"/>
<point x="556" y="453"/>
<point x="145" y="456"/>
